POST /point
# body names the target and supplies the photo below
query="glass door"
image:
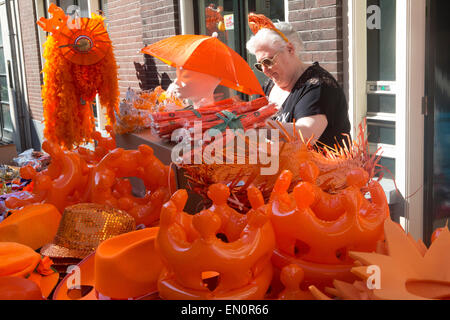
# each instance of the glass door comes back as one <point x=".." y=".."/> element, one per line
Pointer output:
<point x="228" y="19"/>
<point x="437" y="118"/>
<point x="6" y="123"/>
<point x="381" y="88"/>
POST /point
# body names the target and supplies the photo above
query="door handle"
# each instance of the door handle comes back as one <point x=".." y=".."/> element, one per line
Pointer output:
<point x="11" y="85"/>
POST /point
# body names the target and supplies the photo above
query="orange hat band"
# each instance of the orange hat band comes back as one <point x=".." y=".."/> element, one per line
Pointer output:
<point x="257" y="22"/>
<point x="281" y="34"/>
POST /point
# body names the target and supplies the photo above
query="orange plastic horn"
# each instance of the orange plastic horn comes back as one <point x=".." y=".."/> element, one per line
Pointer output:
<point x="193" y="254"/>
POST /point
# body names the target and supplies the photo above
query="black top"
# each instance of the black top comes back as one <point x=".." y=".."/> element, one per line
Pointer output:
<point x="316" y="92"/>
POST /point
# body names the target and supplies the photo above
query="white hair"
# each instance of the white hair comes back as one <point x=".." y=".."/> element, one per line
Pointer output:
<point x="269" y="38"/>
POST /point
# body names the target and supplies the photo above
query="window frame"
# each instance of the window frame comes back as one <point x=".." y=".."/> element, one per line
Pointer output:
<point x="409" y="90"/>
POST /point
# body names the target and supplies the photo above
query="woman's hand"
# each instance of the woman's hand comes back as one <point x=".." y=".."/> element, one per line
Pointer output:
<point x="310" y="127"/>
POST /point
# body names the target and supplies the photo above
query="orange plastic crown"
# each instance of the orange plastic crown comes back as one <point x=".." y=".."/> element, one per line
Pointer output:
<point x="321" y="245"/>
<point x="194" y="255"/>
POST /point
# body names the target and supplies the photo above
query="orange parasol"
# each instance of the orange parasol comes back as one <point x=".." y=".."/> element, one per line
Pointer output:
<point x="207" y="55"/>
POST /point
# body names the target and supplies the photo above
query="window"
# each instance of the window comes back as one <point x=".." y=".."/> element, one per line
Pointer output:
<point x="229" y="19"/>
<point x="381" y="82"/>
<point x="6" y="123"/>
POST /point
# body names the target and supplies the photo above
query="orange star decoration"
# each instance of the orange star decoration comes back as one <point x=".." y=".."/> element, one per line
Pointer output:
<point x="408" y="270"/>
<point x="79" y="64"/>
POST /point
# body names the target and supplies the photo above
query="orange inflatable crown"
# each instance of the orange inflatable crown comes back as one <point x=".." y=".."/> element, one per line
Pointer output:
<point x="321" y="245"/>
<point x="194" y="255"/>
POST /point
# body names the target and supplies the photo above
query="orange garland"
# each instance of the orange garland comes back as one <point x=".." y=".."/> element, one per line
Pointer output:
<point x="69" y="91"/>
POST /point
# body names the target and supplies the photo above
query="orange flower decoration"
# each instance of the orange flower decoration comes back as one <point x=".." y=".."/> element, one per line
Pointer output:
<point x="45" y="267"/>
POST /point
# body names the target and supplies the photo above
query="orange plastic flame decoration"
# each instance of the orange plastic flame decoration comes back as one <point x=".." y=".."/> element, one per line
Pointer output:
<point x="194" y="255"/>
<point x="257" y="22"/>
<point x="56" y="22"/>
<point x="320" y="246"/>
<point x="406" y="269"/>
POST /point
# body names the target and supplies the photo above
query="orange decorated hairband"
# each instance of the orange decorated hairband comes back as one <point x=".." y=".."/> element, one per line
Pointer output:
<point x="257" y="22"/>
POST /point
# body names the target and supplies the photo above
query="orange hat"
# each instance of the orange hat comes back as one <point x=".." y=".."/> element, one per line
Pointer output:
<point x="15" y="288"/>
<point x="18" y="260"/>
<point x="83" y="227"/>
<point x="124" y="267"/>
<point x="33" y="225"/>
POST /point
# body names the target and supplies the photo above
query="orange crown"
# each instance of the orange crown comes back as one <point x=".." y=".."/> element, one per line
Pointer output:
<point x="302" y="234"/>
<point x="193" y="253"/>
<point x="257" y="22"/>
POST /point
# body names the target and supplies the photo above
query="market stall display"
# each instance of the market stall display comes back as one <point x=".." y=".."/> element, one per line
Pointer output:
<point x="226" y="114"/>
<point x="333" y="164"/>
<point x="312" y="229"/>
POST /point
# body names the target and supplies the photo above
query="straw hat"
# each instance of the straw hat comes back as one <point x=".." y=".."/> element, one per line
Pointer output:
<point x="33" y="225"/>
<point x="15" y="288"/>
<point x="83" y="227"/>
<point x="123" y="268"/>
<point x="18" y="260"/>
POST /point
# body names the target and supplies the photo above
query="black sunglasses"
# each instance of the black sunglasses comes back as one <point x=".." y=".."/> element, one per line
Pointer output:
<point x="266" y="62"/>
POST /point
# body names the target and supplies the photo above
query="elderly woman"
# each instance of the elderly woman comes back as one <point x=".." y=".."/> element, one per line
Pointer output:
<point x="306" y="94"/>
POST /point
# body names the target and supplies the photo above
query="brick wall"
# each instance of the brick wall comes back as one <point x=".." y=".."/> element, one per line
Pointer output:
<point x="160" y="19"/>
<point x="125" y="31"/>
<point x="319" y="23"/>
<point x="133" y="24"/>
<point x="32" y="58"/>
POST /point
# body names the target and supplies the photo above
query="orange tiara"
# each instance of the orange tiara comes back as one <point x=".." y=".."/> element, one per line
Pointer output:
<point x="257" y="22"/>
